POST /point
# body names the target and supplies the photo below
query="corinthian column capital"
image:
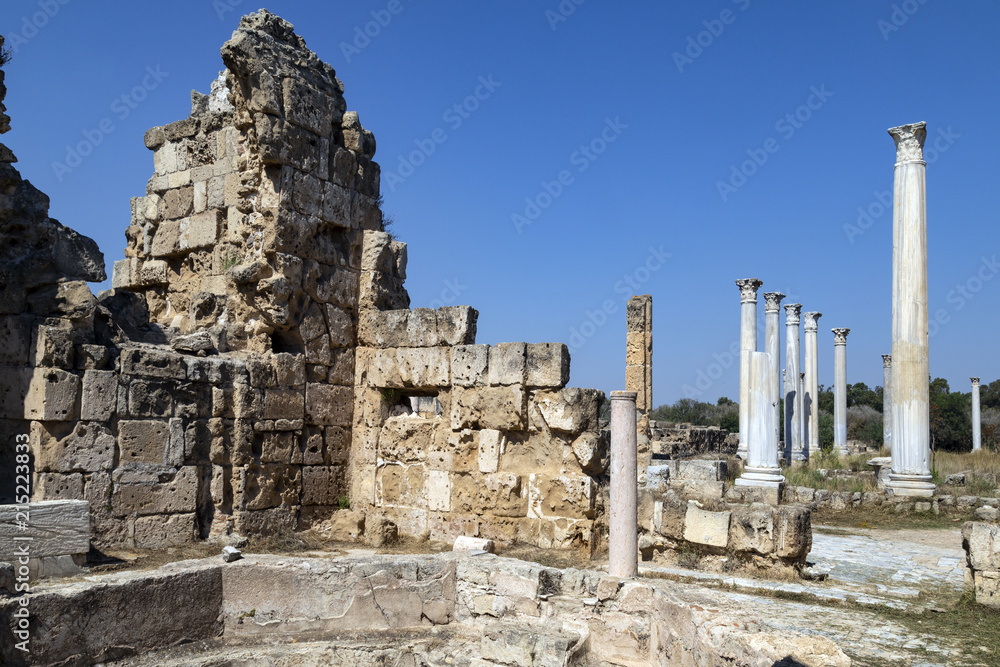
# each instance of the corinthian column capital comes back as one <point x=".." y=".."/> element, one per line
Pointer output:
<point x="771" y="301"/>
<point x="975" y="382"/>
<point x="840" y="336"/>
<point x="748" y="289"/>
<point x="812" y="320"/>
<point x="909" y="141"/>
<point x="792" y="311"/>
<point x="886" y="361"/>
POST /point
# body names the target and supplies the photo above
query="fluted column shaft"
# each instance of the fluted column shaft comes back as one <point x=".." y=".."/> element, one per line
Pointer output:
<point x="840" y="390"/>
<point x="793" y="397"/>
<point x="748" y="343"/>
<point x="977" y="429"/>
<point x="887" y="401"/>
<point x="772" y="345"/>
<point x="810" y="402"/>
<point x="762" y="467"/>
<point x="911" y="474"/>
<point x="623" y="543"/>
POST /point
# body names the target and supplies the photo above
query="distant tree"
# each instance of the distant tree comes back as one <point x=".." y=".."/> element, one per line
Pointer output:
<point x="950" y="417"/>
<point x="5" y="55"/>
<point x="858" y="394"/>
<point x="864" y="423"/>
<point x="989" y="395"/>
<point x="725" y="401"/>
<point x="825" y="399"/>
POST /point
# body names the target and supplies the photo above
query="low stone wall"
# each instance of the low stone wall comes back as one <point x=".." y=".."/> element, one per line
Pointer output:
<point x="479" y="610"/>
<point x="846" y="500"/>
<point x="981" y="542"/>
<point x="684" y="440"/>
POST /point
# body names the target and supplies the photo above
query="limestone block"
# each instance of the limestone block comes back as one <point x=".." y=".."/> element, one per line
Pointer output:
<point x="161" y="532"/>
<point x="153" y="362"/>
<point x="406" y="439"/>
<point x="525" y="646"/>
<point x="166" y="243"/>
<point x="323" y="485"/>
<point x="752" y="529"/>
<point x="592" y="450"/>
<point x="563" y="496"/>
<point x="150" y="398"/>
<point x="411" y="368"/>
<point x="704" y="527"/>
<point x="376" y="255"/>
<point x="491" y="445"/>
<point x="469" y="365"/>
<point x="58" y="486"/>
<point x="508" y="364"/>
<point x="309" y="108"/>
<point x="143" y="441"/>
<point x="540" y="452"/>
<point x="638" y="348"/>
<point x="341" y="367"/>
<point x="384" y="328"/>
<point x="697" y="470"/>
<point x="397" y="484"/>
<point x="216" y="370"/>
<point x="146" y="497"/>
<point x="500" y="494"/>
<point x="669" y="515"/>
<point x="52" y="346"/>
<point x="329" y="405"/>
<point x="53" y="395"/>
<point x="570" y="409"/>
<point x="422" y="328"/>
<point x="793" y="531"/>
<point x="981" y="544"/>
<point x="987" y="585"/>
<point x="456" y="325"/>
<point x="638" y="313"/>
<point x="438" y="487"/>
<point x="313" y="323"/>
<point x="465" y="543"/>
<point x="199" y="231"/>
<point x="154" y="272"/>
<point x="381" y="291"/>
<point x="100" y="393"/>
<point x="176" y="203"/>
<point x="15" y="331"/>
<point x="83" y="447"/>
<point x="278" y="447"/>
<point x="283" y="404"/>
<point x="501" y="408"/>
<point x="456" y="452"/>
<point x="13" y="391"/>
<point x="57" y="528"/>
<point x="548" y="365"/>
<point x="261" y="487"/>
<point x="338" y="445"/>
<point x="318" y="351"/>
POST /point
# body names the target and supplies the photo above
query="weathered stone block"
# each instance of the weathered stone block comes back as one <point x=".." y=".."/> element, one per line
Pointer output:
<point x="490" y="447"/>
<point x="669" y="515"/>
<point x="561" y="496"/>
<point x="793" y="531"/>
<point x="341" y="326"/>
<point x="411" y="368"/>
<point x="144" y="441"/>
<point x="548" y="365"/>
<point x="752" y="529"/>
<point x="438" y="486"/>
<point x="151" y="497"/>
<point x="704" y="527"/>
<point x="508" y="364"/>
<point x="329" y="405"/>
<point x="58" y="486"/>
<point x="407" y="439"/>
<point x="83" y="447"/>
<point x="397" y="484"/>
<point x="283" y="404"/>
<point x="697" y="470"/>
<point x="53" y="395"/>
<point x="500" y="408"/>
<point x="456" y="325"/>
<point x="199" y="231"/>
<point x="323" y="485"/>
<point x="384" y="328"/>
<point x="53" y="344"/>
<point x="500" y="494"/>
<point x="153" y="362"/>
<point x="15" y="331"/>
<point x="160" y="532"/>
<point x="422" y="328"/>
<point x="266" y="486"/>
<point x="469" y="365"/>
<point x="150" y="398"/>
<point x="982" y="545"/>
<point x="100" y="394"/>
<point x="570" y="409"/>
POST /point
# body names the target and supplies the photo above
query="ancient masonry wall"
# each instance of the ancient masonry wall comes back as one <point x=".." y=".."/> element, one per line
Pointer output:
<point x="255" y="365"/>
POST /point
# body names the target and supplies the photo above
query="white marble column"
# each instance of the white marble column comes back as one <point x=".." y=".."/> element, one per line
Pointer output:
<point x="887" y="401"/>
<point x="623" y="542"/>
<point x="762" y="468"/>
<point x="977" y="427"/>
<point x="810" y="402"/>
<point x="793" y="399"/>
<point x="772" y="345"/>
<point x="803" y="417"/>
<point x="911" y="446"/>
<point x="748" y="343"/>
<point x="840" y="390"/>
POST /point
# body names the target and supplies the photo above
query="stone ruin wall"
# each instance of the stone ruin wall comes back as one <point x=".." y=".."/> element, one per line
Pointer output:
<point x="255" y="364"/>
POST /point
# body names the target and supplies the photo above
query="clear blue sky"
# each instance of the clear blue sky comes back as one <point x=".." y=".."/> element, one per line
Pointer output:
<point x="673" y="128"/>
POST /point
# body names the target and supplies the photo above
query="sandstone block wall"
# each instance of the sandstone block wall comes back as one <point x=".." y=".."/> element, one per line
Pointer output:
<point x="981" y="542"/>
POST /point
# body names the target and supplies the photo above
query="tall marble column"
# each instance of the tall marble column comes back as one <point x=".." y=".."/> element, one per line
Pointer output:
<point x="762" y="468"/>
<point x="977" y="428"/>
<point x="810" y="398"/>
<point x="804" y="417"/>
<point x="748" y="343"/>
<point x="911" y="445"/>
<point x="793" y="399"/>
<point x="887" y="401"/>
<point x="840" y="390"/>
<point x="623" y="542"/>
<point x="772" y="345"/>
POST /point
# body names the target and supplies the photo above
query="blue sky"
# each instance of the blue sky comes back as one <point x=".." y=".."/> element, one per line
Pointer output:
<point x="589" y="166"/>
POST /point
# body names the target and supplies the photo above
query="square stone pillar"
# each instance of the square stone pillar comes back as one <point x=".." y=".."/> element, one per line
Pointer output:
<point x="639" y="350"/>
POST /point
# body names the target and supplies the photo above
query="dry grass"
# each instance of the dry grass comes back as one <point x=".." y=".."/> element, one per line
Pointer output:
<point x="809" y="475"/>
<point x="982" y="468"/>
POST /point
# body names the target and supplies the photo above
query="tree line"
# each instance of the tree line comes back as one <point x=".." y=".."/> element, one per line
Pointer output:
<point x="950" y="415"/>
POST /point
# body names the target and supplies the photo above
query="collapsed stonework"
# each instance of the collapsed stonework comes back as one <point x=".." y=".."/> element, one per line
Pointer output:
<point x="255" y="366"/>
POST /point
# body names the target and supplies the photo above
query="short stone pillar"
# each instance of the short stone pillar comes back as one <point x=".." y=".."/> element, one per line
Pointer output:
<point x="748" y="343"/>
<point x="623" y="542"/>
<point x="977" y="428"/>
<point x="793" y="398"/>
<point x="887" y="401"/>
<point x="840" y="390"/>
<point x="810" y="398"/>
<point x="911" y="444"/>
<point x="772" y="345"/>
<point x="762" y="467"/>
<point x="639" y="350"/>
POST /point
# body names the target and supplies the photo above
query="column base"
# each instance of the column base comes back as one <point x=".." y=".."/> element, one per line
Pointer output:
<point x="769" y="477"/>
<point x="919" y="486"/>
<point x="741" y="453"/>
